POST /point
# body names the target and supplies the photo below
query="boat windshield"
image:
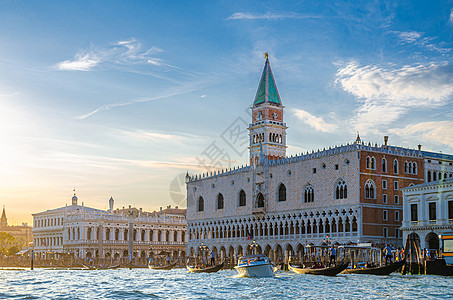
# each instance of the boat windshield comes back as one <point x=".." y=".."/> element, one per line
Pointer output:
<point x="253" y="260"/>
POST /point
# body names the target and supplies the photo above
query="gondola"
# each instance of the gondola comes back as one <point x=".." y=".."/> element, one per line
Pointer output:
<point x="332" y="271"/>
<point x="212" y="269"/>
<point x="168" y="267"/>
<point x="385" y="270"/>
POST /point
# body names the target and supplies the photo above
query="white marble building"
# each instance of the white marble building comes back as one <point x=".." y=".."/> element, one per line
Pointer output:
<point x="90" y="232"/>
<point x="428" y="211"/>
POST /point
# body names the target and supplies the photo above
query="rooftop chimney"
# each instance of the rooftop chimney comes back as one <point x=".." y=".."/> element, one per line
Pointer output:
<point x="419" y="147"/>
<point x="386" y="139"/>
<point x="161" y="208"/>
<point x="111" y="204"/>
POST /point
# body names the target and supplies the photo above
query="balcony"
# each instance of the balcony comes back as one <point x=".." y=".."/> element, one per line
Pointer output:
<point x="259" y="210"/>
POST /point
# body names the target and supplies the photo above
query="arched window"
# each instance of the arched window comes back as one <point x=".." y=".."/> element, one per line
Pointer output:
<point x="395" y="167"/>
<point x="434" y="176"/>
<point x="368" y="162"/>
<point x="370" y="189"/>
<point x="309" y="195"/>
<point x="219" y="201"/>
<point x="414" y="168"/>
<point x="282" y="192"/>
<point x="260" y="200"/>
<point x="200" y="204"/>
<point x="406" y="167"/>
<point x="429" y="176"/>
<point x="384" y="165"/>
<point x="373" y="163"/>
<point x="88" y="233"/>
<point x="242" y="198"/>
<point x="341" y="190"/>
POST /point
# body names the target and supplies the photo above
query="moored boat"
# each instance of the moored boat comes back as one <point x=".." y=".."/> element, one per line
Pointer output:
<point x="257" y="265"/>
<point x="167" y="267"/>
<point x="385" y="270"/>
<point x="329" y="271"/>
<point x="213" y="269"/>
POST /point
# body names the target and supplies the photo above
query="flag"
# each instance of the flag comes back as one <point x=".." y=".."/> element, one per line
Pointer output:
<point x="249" y="235"/>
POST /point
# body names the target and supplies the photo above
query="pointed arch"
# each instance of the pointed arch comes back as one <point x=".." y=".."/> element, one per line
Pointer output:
<point x="281" y="192"/>
<point x="259" y="200"/>
<point x="370" y="189"/>
<point x="341" y="190"/>
<point x="242" y="198"/>
<point x="200" y="204"/>
<point x="220" y="201"/>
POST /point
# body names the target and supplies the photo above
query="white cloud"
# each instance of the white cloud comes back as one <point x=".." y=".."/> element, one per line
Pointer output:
<point x="438" y="132"/>
<point x="387" y="93"/>
<point x="417" y="38"/>
<point x="81" y="62"/>
<point x="315" y="122"/>
<point x="451" y="15"/>
<point x="122" y="52"/>
<point x="269" y="16"/>
<point x="154" y="136"/>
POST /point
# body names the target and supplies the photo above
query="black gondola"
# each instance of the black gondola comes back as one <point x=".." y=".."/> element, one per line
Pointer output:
<point x="331" y="271"/>
<point x="212" y="269"/>
<point x="385" y="270"/>
<point x="168" y="267"/>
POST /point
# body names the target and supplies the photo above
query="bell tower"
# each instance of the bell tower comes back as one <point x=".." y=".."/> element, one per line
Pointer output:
<point x="267" y="130"/>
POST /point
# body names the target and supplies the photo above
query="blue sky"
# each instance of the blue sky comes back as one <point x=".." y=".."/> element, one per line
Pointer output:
<point x="120" y="98"/>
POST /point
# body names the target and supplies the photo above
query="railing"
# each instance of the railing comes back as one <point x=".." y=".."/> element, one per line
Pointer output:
<point x="119" y="242"/>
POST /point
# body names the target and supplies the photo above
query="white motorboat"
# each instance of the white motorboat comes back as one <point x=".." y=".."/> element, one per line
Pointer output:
<point x="257" y="265"/>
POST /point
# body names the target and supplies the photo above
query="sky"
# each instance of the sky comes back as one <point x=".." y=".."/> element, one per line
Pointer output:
<point x="121" y="98"/>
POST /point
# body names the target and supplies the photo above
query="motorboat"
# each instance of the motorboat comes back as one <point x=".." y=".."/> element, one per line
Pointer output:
<point x="256" y="265"/>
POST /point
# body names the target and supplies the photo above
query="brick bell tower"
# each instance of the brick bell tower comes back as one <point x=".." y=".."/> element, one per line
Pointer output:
<point x="267" y="130"/>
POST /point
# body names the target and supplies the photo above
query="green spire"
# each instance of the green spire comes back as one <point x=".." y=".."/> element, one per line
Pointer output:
<point x="267" y="89"/>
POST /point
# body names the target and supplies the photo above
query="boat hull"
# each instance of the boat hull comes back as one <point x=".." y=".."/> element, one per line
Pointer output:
<point x="385" y="270"/>
<point x="169" y="267"/>
<point x="333" y="271"/>
<point x="264" y="270"/>
<point x="205" y="270"/>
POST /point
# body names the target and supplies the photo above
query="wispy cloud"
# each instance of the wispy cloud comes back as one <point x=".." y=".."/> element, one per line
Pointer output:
<point x="385" y="94"/>
<point x="123" y="53"/>
<point x="451" y="15"/>
<point x="437" y="132"/>
<point x="187" y="88"/>
<point x="269" y="16"/>
<point x="158" y="136"/>
<point x="418" y="39"/>
<point x="317" y="123"/>
<point x="81" y="62"/>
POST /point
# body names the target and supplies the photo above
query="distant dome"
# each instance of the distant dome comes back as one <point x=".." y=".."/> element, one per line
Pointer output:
<point x="74" y="198"/>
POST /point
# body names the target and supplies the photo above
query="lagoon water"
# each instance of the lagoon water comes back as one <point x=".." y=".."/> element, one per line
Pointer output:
<point x="178" y="284"/>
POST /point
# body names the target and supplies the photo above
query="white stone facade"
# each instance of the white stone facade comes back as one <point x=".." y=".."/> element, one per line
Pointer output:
<point x="428" y="211"/>
<point x="95" y="233"/>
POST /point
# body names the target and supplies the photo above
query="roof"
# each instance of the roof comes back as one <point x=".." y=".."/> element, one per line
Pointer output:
<point x="267" y="89"/>
<point x="174" y="211"/>
<point x="437" y="155"/>
<point x="70" y="208"/>
<point x="431" y="183"/>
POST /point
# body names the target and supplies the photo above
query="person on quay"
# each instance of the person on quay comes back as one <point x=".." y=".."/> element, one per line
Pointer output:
<point x="168" y="260"/>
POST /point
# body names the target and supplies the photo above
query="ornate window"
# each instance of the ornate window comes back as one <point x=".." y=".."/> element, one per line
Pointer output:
<point x="341" y="190"/>
<point x="242" y="198"/>
<point x="260" y="200"/>
<point x="406" y="167"/>
<point x="200" y="204"/>
<point x="395" y="167"/>
<point x="384" y="165"/>
<point x="309" y="195"/>
<point x="370" y="189"/>
<point x="371" y="163"/>
<point x="219" y="201"/>
<point x="414" y="168"/>
<point x="281" y="192"/>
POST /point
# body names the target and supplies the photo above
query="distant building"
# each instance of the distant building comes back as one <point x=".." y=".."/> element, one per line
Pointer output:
<point x="428" y="211"/>
<point x="90" y="232"/>
<point x="344" y="194"/>
<point x="21" y="233"/>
